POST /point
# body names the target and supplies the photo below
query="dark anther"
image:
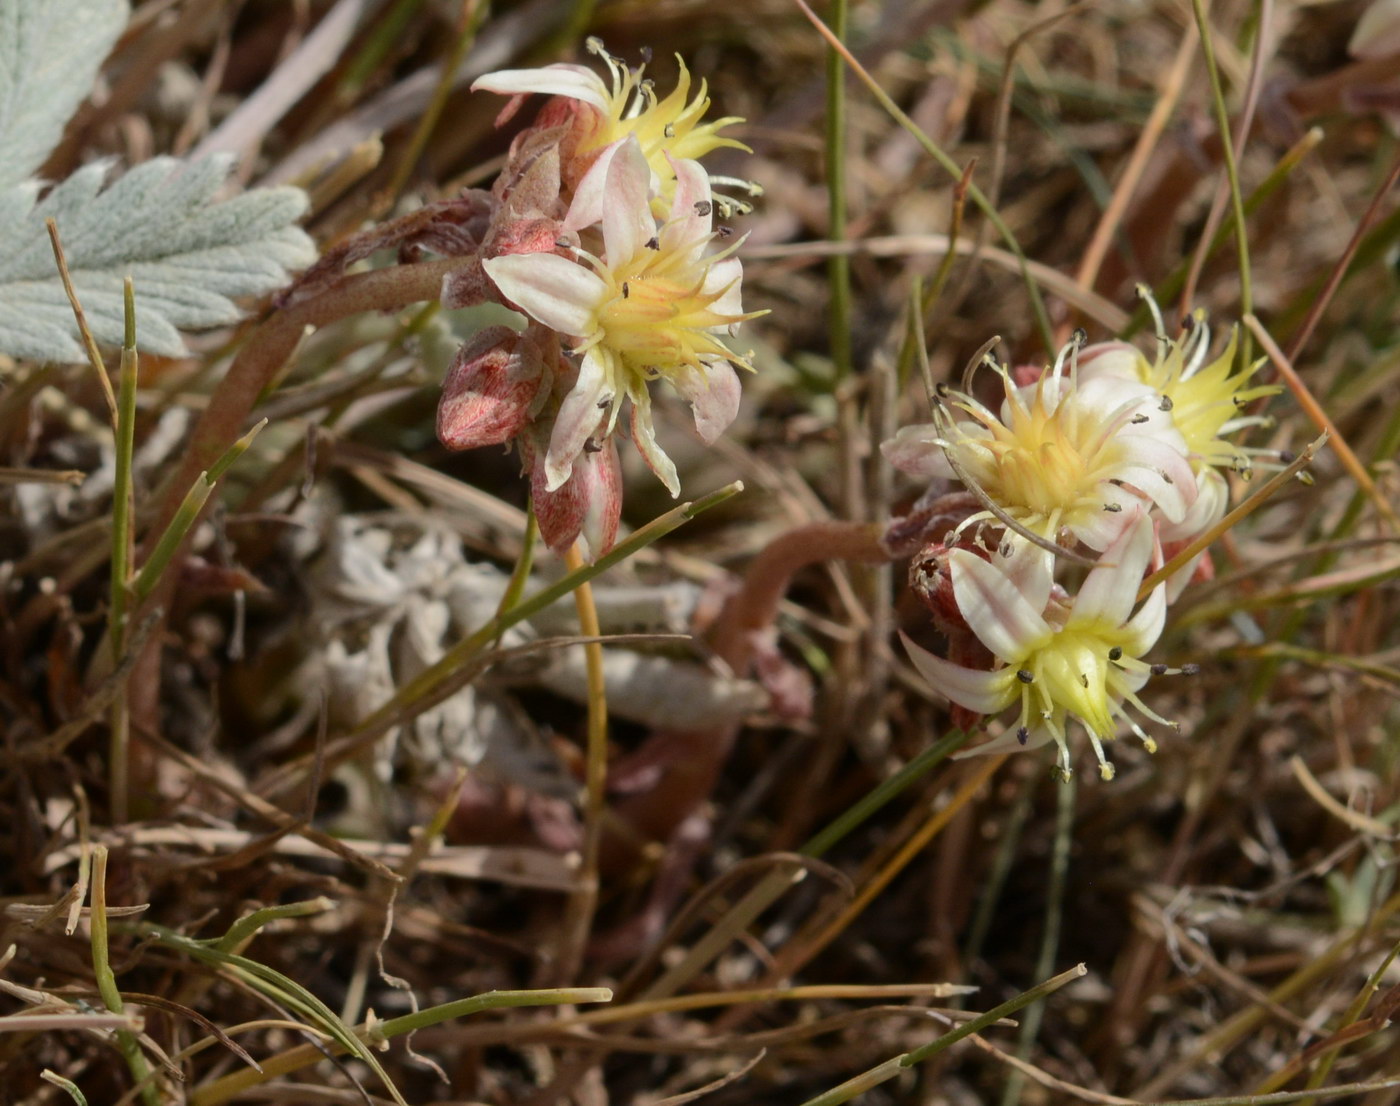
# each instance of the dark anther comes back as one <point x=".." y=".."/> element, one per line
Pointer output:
<point x="1025" y="675"/>
<point x="725" y="232"/>
<point x="1158" y="670"/>
<point x="1116" y="653"/>
<point x="1023" y="735"/>
<point x="941" y="389"/>
<point x="626" y="291"/>
<point x="1083" y="679"/>
<point x="1287" y="456"/>
<point x="1167" y="478"/>
<point x="1113" y="508"/>
<point x="1166" y="404"/>
<point x="1190" y="669"/>
<point x="653" y="243"/>
<point x="560" y="244"/>
<point x="1080" y="337"/>
<point x="593" y="445"/>
<point x="605" y="403"/>
<point x="703" y="207"/>
<point x="1240" y="402"/>
<point x="1138" y="420"/>
<point x="669" y="130"/>
<point x="1006" y="549"/>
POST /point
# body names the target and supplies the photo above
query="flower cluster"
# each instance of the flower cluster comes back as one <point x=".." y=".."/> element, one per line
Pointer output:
<point x="603" y="236"/>
<point x="1102" y="459"/>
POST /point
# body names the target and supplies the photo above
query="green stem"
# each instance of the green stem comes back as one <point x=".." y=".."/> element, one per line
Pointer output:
<point x="838" y="265"/>
<point x="1227" y="152"/>
<point x="107" y="980"/>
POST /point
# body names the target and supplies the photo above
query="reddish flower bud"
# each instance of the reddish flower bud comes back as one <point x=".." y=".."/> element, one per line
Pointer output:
<point x="491" y="390"/>
<point x="586" y="506"/>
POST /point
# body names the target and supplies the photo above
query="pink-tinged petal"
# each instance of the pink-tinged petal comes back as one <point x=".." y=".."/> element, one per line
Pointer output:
<point x="1377" y="33"/>
<point x="1145" y="627"/>
<point x="644" y="437"/>
<point x="490" y="389"/>
<point x="994" y="608"/>
<point x="591" y="194"/>
<point x="1118" y="360"/>
<point x="1162" y="473"/>
<point x="727" y="278"/>
<point x="713" y="394"/>
<point x="1030" y="570"/>
<point x="1009" y="742"/>
<point x="914" y="450"/>
<point x="692" y="208"/>
<point x="553" y="290"/>
<point x="573" y="81"/>
<point x="602" y="499"/>
<point x="1212" y="497"/>
<point x="581" y="411"/>
<point x="628" y="224"/>
<point x="1100" y="529"/>
<point x="1108" y="593"/>
<point x="980" y="692"/>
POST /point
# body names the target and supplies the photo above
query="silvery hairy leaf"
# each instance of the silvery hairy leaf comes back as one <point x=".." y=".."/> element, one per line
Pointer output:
<point x="158" y="224"/>
<point x="50" y="51"/>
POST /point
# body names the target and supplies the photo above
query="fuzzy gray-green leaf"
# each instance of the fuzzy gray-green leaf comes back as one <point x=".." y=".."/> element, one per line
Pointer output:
<point x="158" y="224"/>
<point x="50" y="50"/>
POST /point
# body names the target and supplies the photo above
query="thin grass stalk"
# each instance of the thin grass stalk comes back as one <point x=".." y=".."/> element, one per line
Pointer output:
<point x="163" y="552"/>
<point x="584" y="901"/>
<point x="838" y="266"/>
<point x="107" y="981"/>
<point x="1050" y="938"/>
<point x="123" y="546"/>
<point x="809" y="947"/>
<point x="464" y="650"/>
<point x="897" y="1064"/>
<point x="67" y="1085"/>
<point x="464" y="34"/>
<point x="773" y="886"/>
<point x="1172" y="285"/>
<point x="1227" y="153"/>
<point x="520" y="574"/>
<point x="951" y="167"/>
<point x="1303" y="396"/>
<point x="236" y="1083"/>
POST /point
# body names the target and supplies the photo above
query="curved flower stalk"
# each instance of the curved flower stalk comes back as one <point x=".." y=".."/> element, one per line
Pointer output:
<point x="1063" y="455"/>
<point x="607" y="112"/>
<point x="1058" y="659"/>
<point x="653" y="305"/>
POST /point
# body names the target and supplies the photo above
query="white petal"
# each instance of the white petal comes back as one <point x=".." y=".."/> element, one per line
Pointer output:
<point x="913" y="450"/>
<point x="628" y="223"/>
<point x="727" y="278"/>
<point x="691" y="209"/>
<point x="553" y="290"/>
<point x="713" y="395"/>
<point x="590" y="197"/>
<point x="1112" y="359"/>
<point x="1146" y="626"/>
<point x="983" y="692"/>
<point x="1100" y="528"/>
<point x="1163" y="474"/>
<point x="1212" y="496"/>
<point x="994" y="608"/>
<point x="1108" y="593"/>
<point x="577" y="420"/>
<point x="644" y="436"/>
<point x="573" y="81"/>
<point x="1009" y="742"/>
<point x="1030" y="569"/>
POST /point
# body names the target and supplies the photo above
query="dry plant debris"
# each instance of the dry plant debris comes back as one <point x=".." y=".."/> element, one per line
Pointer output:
<point x="349" y="756"/>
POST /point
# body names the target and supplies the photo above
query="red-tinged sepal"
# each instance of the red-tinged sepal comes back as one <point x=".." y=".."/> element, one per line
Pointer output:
<point x="494" y="386"/>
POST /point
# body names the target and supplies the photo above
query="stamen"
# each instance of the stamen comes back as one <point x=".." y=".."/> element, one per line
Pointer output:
<point x="1025" y="675"/>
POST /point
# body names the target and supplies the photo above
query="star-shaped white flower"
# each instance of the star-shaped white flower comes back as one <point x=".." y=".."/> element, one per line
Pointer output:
<point x="654" y="305"/>
<point x="1081" y="659"/>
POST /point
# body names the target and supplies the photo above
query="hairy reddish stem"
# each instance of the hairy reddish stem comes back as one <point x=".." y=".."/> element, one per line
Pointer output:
<point x="253" y="370"/>
<point x="688" y="763"/>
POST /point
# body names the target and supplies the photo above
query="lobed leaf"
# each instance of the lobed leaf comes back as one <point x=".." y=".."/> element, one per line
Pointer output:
<point x="158" y="224"/>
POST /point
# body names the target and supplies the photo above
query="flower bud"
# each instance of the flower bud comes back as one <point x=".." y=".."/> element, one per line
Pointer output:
<point x="492" y="386"/>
